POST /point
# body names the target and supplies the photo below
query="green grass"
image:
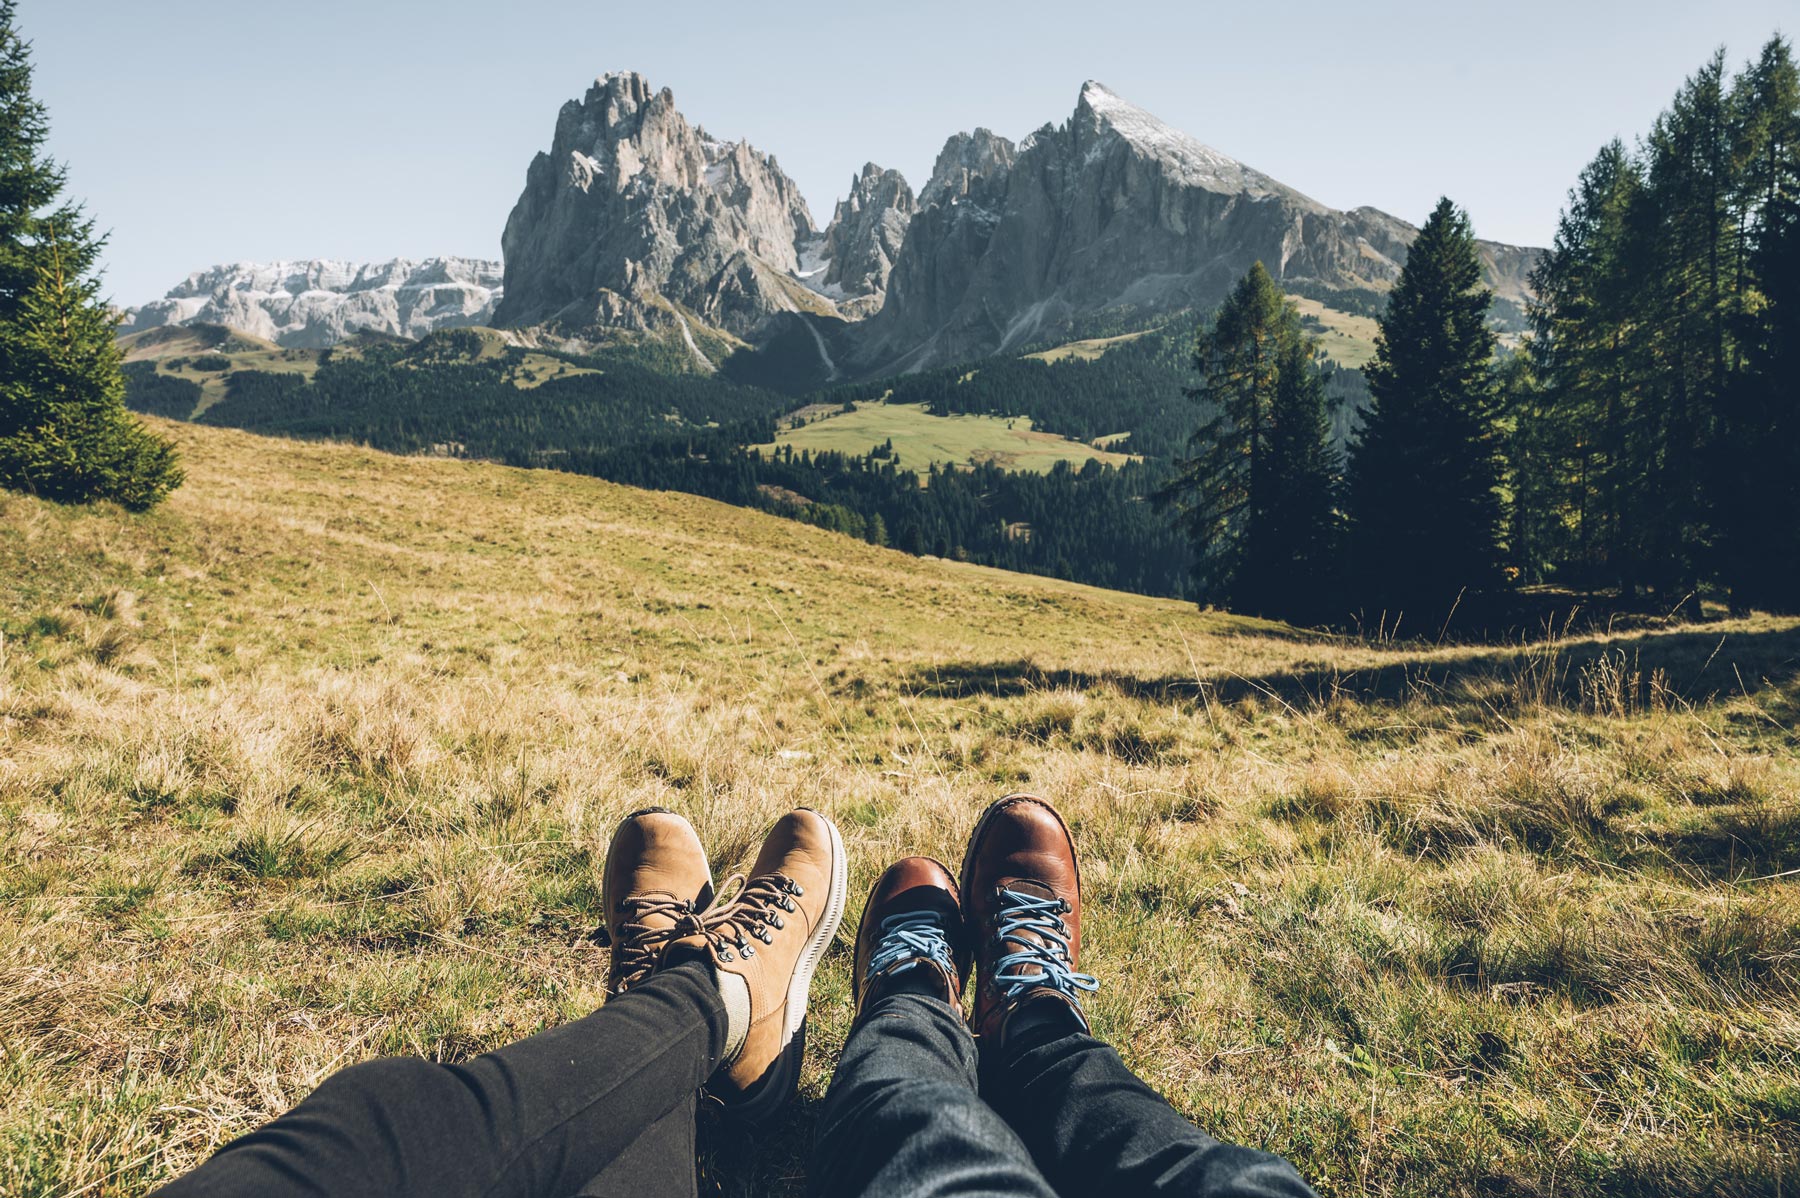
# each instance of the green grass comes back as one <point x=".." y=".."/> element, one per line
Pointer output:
<point x="187" y="353"/>
<point x="180" y="353"/>
<point x="1347" y="339"/>
<point x="1086" y="350"/>
<point x="319" y="761"/>
<point x="921" y="439"/>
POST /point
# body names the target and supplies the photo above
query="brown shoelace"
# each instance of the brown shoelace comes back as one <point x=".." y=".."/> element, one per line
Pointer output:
<point x="756" y="909"/>
<point x="640" y="943"/>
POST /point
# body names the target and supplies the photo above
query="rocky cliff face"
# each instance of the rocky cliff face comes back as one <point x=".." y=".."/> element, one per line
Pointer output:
<point x="857" y="252"/>
<point x="1112" y="209"/>
<point x="634" y="210"/>
<point x="317" y="303"/>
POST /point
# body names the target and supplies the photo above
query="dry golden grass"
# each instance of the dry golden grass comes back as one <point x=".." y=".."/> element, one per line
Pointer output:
<point x="319" y="761"/>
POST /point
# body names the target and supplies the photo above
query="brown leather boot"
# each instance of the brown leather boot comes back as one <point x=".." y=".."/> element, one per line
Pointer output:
<point x="657" y="882"/>
<point x="1021" y="894"/>
<point x="765" y="944"/>
<point x="912" y="926"/>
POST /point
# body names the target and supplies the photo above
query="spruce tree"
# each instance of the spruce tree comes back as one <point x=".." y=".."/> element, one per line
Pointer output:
<point x="1301" y="520"/>
<point x="1257" y="500"/>
<point x="1424" y="475"/>
<point x="1687" y="300"/>
<point x="1757" y="462"/>
<point x="64" y="431"/>
<point x="1578" y="459"/>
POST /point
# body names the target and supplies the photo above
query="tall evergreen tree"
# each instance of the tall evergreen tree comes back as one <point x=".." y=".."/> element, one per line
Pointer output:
<point x="1688" y="304"/>
<point x="64" y="430"/>
<point x="1424" y="473"/>
<point x="1257" y="500"/>
<point x="1302" y="524"/>
<point x="1579" y="486"/>
<point x="1757" y="460"/>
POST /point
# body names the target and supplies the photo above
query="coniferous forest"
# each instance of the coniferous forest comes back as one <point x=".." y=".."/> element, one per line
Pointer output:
<point x="1641" y="446"/>
<point x="1653" y="423"/>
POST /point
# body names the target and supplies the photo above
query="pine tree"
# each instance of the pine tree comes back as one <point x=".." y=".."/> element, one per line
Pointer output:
<point x="64" y="431"/>
<point x="1301" y="528"/>
<point x="1687" y="304"/>
<point x="1424" y="474"/>
<point x="1580" y="459"/>
<point x="1757" y="464"/>
<point x="1257" y="501"/>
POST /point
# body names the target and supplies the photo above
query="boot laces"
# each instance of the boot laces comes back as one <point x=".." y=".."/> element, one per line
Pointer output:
<point x="915" y="936"/>
<point x="640" y="942"/>
<point x="1034" y="930"/>
<point x="753" y="914"/>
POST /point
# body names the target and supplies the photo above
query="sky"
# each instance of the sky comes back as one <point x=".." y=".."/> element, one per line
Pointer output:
<point x="208" y="131"/>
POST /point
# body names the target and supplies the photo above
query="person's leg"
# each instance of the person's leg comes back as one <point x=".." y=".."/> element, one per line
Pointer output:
<point x="537" y="1118"/>
<point x="902" y="1117"/>
<point x="548" y="1113"/>
<point x="661" y="1161"/>
<point x="1092" y="1126"/>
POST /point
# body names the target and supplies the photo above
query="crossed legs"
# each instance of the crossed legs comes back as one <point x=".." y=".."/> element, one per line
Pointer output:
<point x="1018" y="1101"/>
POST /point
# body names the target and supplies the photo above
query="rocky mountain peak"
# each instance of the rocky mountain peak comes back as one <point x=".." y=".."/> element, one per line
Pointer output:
<point x="1112" y="209"/>
<point x="634" y="215"/>
<point x="965" y="162"/>
<point x="1101" y="112"/>
<point x="866" y="232"/>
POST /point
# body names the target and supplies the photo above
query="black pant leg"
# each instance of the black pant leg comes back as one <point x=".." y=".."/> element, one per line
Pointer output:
<point x="536" y="1119"/>
<point x="1094" y="1127"/>
<point x="659" y="1163"/>
<point x="903" y="1120"/>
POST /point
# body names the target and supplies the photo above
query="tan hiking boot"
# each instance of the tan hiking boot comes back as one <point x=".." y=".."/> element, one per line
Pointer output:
<point x="912" y="927"/>
<point x="656" y="885"/>
<point x="1021" y="894"/>
<point x="765" y="944"/>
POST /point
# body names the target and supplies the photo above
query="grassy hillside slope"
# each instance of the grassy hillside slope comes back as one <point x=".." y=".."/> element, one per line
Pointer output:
<point x="319" y="762"/>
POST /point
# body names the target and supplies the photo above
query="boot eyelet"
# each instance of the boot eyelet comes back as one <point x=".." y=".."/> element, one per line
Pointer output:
<point x="749" y="951"/>
<point x="725" y="954"/>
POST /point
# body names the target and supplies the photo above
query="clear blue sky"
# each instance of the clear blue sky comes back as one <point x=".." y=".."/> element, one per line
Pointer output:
<point x="202" y="131"/>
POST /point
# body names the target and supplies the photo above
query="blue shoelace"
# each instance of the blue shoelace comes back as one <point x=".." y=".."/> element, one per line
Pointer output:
<point x="912" y="936"/>
<point x="1036" y="962"/>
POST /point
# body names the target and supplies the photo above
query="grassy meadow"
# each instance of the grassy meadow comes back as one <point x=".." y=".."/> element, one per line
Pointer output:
<point x="319" y="762"/>
<point x="1345" y="338"/>
<point x="922" y="439"/>
<point x="1086" y="350"/>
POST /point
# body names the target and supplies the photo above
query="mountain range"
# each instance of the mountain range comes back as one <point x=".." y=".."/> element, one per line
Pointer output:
<point x="315" y="303"/>
<point x="636" y="223"/>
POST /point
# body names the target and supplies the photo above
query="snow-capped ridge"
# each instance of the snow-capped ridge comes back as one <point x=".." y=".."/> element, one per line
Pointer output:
<point x="1192" y="161"/>
<point x="310" y="303"/>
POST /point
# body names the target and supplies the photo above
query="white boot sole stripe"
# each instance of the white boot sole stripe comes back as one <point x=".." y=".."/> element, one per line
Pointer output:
<point x="800" y="988"/>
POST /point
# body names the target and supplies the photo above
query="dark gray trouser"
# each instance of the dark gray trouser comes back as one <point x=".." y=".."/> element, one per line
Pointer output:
<point x="914" y="1111"/>
<point x="603" y="1106"/>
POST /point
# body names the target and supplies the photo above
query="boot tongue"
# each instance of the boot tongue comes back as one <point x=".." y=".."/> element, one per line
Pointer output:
<point x="1028" y="886"/>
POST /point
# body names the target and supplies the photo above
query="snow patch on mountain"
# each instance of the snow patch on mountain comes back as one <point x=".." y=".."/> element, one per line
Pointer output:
<point x="319" y="302"/>
<point x="1188" y="160"/>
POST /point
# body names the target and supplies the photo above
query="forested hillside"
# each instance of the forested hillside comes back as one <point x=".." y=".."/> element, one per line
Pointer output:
<point x="457" y="394"/>
<point x="627" y="416"/>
